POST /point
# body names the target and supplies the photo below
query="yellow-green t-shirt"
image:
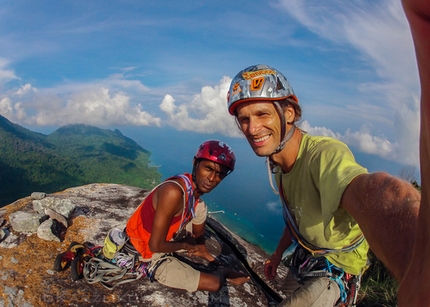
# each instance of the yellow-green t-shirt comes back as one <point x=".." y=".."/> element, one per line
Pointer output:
<point x="323" y="169"/>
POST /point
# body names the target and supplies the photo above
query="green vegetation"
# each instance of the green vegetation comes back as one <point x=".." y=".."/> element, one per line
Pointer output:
<point x="71" y="156"/>
<point x="379" y="288"/>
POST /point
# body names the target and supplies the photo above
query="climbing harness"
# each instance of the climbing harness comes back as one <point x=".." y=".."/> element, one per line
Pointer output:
<point x="303" y="265"/>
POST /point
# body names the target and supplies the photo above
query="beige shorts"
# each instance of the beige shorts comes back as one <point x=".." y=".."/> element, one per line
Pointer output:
<point x="176" y="274"/>
<point x="316" y="292"/>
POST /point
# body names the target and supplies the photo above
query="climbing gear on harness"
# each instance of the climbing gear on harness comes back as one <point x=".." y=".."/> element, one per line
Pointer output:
<point x="303" y="265"/>
<point x="353" y="283"/>
<point x="155" y="264"/>
<point x="308" y="261"/>
<point x="123" y="260"/>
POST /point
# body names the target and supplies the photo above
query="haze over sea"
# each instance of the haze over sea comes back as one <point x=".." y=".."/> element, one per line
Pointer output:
<point x="252" y="210"/>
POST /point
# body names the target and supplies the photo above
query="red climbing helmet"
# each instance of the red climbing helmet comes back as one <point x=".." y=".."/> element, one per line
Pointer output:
<point x="217" y="151"/>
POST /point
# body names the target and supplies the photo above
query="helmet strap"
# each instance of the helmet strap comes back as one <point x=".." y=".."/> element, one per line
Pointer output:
<point x="281" y="117"/>
<point x="193" y="174"/>
<point x="287" y="137"/>
<point x="284" y="136"/>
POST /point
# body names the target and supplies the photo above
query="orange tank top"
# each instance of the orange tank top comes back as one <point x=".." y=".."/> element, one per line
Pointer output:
<point x="139" y="226"/>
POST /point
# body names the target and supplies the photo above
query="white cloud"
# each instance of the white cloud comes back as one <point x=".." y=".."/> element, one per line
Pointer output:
<point x="97" y="107"/>
<point x="368" y="143"/>
<point x="206" y="112"/>
<point x="6" y="75"/>
<point x="100" y="103"/>
<point x="25" y="89"/>
<point x="6" y="108"/>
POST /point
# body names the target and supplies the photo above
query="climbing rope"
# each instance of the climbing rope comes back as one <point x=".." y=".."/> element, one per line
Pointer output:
<point x="108" y="274"/>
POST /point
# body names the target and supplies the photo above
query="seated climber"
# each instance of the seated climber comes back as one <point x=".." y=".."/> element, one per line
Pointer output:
<point x="154" y="227"/>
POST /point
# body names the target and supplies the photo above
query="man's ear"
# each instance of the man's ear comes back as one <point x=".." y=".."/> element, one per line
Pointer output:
<point x="290" y="114"/>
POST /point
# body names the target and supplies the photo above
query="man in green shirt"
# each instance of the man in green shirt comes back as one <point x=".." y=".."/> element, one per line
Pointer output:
<point x="329" y="200"/>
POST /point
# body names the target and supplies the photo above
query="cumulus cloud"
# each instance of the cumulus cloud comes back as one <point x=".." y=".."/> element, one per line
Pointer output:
<point x="6" y="106"/>
<point x="6" y="74"/>
<point x="98" y="107"/>
<point x="365" y="142"/>
<point x="100" y="103"/>
<point x="206" y="112"/>
<point x="25" y="89"/>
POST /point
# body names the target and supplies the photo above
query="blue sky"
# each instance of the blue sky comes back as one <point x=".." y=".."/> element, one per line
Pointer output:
<point x="122" y="64"/>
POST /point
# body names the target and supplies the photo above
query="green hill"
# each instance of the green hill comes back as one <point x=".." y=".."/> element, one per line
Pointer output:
<point x="71" y="156"/>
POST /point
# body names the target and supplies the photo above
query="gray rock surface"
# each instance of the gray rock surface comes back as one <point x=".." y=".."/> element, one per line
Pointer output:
<point x="63" y="206"/>
<point x="26" y="261"/>
<point x="25" y="221"/>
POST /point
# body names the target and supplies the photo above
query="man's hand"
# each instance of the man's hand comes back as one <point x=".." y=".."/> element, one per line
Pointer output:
<point x="271" y="265"/>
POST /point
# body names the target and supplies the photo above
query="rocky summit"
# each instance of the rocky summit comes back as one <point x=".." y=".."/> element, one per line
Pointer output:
<point x="35" y="229"/>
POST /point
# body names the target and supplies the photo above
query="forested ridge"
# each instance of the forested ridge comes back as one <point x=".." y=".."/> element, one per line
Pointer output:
<point x="71" y="156"/>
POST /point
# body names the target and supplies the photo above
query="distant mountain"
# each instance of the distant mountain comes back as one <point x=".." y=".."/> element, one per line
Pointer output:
<point x="71" y="156"/>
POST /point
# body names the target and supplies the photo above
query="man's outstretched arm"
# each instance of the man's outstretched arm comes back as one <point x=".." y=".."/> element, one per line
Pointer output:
<point x="386" y="208"/>
<point x="414" y="288"/>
